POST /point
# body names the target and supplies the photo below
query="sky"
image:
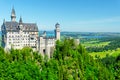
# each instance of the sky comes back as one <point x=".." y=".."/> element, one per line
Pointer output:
<point x="72" y="15"/>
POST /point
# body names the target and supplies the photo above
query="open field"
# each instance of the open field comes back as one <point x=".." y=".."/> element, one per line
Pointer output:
<point x="103" y="54"/>
<point x="96" y="43"/>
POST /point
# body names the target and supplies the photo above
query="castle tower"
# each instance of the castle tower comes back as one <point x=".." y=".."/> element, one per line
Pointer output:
<point x="4" y="21"/>
<point x="13" y="16"/>
<point x="57" y="31"/>
<point x="44" y="34"/>
<point x="20" y="23"/>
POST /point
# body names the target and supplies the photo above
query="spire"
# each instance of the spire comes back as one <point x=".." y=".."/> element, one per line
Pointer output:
<point x="20" y="24"/>
<point x="13" y="11"/>
<point x="4" y="21"/>
<point x="13" y="16"/>
<point x="20" y="21"/>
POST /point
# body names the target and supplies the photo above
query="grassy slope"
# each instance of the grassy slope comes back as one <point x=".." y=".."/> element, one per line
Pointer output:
<point x="103" y="54"/>
<point x="95" y="43"/>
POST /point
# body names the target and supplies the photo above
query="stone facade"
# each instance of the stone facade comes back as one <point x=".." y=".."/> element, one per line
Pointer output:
<point x="46" y="43"/>
<point x="18" y="35"/>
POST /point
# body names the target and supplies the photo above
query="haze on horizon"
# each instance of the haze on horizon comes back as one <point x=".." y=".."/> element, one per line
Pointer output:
<point x="73" y="15"/>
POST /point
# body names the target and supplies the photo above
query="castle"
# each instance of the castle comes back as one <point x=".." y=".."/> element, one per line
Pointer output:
<point x="19" y="34"/>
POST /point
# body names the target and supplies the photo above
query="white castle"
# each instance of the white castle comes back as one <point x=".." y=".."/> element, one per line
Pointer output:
<point x="18" y="35"/>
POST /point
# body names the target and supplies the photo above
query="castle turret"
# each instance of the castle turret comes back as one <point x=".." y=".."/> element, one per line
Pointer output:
<point x="57" y="31"/>
<point x="20" y="24"/>
<point x="20" y="21"/>
<point x="13" y="16"/>
<point x="4" y="21"/>
<point x="44" y="34"/>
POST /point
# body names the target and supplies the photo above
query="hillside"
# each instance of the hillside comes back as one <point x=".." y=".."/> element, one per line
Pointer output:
<point x="69" y="62"/>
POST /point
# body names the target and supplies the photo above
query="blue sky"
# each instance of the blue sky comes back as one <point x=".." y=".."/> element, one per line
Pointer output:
<point x="73" y="15"/>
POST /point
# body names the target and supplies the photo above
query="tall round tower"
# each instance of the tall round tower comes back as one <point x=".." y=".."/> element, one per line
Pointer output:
<point x="13" y="16"/>
<point x="57" y="31"/>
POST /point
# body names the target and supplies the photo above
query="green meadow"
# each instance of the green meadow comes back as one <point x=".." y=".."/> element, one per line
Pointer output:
<point x="104" y="54"/>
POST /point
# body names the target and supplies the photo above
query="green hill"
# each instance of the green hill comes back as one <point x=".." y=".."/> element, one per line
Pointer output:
<point x="69" y="62"/>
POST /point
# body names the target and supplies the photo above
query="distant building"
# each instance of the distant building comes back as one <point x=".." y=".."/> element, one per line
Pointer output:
<point x="18" y="35"/>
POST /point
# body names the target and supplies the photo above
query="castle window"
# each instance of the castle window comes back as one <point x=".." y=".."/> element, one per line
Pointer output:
<point x="44" y="51"/>
<point x="32" y="38"/>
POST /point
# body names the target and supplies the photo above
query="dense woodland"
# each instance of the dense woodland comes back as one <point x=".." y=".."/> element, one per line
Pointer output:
<point x="69" y="62"/>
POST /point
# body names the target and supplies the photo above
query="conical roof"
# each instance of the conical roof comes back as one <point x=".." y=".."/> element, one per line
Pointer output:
<point x="13" y="11"/>
<point x="20" y="21"/>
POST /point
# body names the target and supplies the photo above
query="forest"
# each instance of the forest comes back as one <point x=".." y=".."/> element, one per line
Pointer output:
<point x="69" y="62"/>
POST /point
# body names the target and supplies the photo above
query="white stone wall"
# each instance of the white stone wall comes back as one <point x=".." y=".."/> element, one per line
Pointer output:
<point x="20" y="39"/>
<point x="46" y="46"/>
<point x="49" y="43"/>
<point x="41" y="45"/>
<point x="58" y="33"/>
